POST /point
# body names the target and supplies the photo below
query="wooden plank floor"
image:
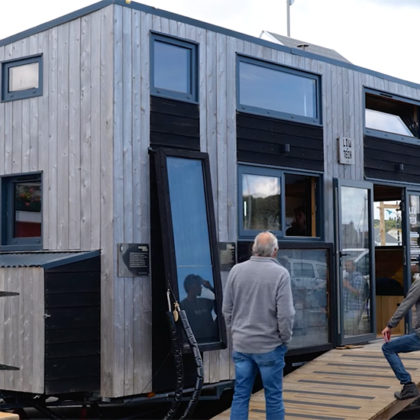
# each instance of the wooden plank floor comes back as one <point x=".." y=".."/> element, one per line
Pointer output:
<point x="8" y="416"/>
<point x="354" y="384"/>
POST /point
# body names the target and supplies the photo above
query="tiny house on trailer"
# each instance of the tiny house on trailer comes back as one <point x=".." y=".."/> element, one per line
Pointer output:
<point x="141" y="151"/>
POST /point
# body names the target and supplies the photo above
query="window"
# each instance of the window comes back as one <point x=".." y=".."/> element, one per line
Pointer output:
<point x="22" y="205"/>
<point x="174" y="68"/>
<point x="390" y="116"/>
<point x="284" y="203"/>
<point x="22" y="78"/>
<point x="309" y="274"/>
<point x="190" y="250"/>
<point x="279" y="91"/>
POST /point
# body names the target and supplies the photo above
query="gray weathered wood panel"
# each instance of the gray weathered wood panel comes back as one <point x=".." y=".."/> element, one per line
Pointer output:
<point x="22" y="332"/>
<point x="67" y="134"/>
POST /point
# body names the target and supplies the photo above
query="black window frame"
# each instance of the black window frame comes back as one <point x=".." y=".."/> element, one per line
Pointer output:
<point x="273" y="113"/>
<point x="160" y="156"/>
<point x="248" y="234"/>
<point x="415" y="139"/>
<point x="192" y="95"/>
<point x="8" y="241"/>
<point x="8" y="96"/>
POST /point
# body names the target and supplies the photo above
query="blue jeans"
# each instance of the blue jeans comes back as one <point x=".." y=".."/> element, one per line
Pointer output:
<point x="271" y="367"/>
<point x="405" y="344"/>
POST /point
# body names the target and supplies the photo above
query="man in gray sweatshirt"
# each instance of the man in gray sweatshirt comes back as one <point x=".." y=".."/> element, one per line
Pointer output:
<point x="258" y="310"/>
<point x="405" y="344"/>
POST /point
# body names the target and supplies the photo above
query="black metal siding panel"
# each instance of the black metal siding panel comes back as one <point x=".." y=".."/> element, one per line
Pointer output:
<point x="384" y="157"/>
<point x="174" y="123"/>
<point x="72" y="327"/>
<point x="263" y="139"/>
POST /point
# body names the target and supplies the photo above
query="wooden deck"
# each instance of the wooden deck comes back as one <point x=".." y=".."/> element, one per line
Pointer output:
<point x="8" y="416"/>
<point x="353" y="383"/>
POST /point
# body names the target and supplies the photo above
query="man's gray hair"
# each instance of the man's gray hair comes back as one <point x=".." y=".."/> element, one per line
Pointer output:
<point x="265" y="244"/>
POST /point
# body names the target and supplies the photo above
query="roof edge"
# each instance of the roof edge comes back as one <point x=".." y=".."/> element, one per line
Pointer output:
<point x="208" y="26"/>
<point x="57" y="21"/>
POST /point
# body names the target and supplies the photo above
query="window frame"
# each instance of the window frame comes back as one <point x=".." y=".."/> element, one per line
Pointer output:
<point x="160" y="156"/>
<point x="192" y="95"/>
<point x="279" y="114"/>
<point x="8" y="241"/>
<point x="388" y="135"/>
<point x="8" y="96"/>
<point x="247" y="234"/>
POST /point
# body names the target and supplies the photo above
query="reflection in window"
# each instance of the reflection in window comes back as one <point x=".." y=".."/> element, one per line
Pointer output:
<point x="174" y="68"/>
<point x="22" y="205"/>
<point x="383" y="121"/>
<point x="274" y="88"/>
<point x="414" y="220"/>
<point x="386" y="113"/>
<point x="261" y="202"/>
<point x="192" y="246"/>
<point x="27" y="210"/>
<point x="301" y="205"/>
<point x="308" y="270"/>
<point x="355" y="263"/>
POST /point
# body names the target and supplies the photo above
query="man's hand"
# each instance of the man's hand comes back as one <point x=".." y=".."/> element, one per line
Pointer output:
<point x="206" y="284"/>
<point x="386" y="334"/>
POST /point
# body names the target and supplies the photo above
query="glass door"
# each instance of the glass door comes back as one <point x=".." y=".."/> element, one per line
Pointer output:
<point x="413" y="244"/>
<point x="354" y="261"/>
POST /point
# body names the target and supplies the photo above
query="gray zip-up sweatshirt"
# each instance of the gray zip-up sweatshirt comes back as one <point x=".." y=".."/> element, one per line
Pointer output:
<point x="412" y="298"/>
<point x="258" y="305"/>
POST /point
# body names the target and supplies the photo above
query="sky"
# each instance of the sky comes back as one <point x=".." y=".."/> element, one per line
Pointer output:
<point x="380" y="35"/>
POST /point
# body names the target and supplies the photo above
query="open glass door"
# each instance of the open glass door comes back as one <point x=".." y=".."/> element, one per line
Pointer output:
<point x="355" y="262"/>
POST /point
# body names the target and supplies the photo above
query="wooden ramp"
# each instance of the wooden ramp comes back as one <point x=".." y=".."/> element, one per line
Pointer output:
<point x="353" y="383"/>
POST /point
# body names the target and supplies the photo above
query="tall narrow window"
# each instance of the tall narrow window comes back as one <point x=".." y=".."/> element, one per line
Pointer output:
<point x="301" y="205"/>
<point x="22" y="205"/>
<point x="271" y="89"/>
<point x="174" y="68"/>
<point x="22" y="78"/>
<point x="189" y="237"/>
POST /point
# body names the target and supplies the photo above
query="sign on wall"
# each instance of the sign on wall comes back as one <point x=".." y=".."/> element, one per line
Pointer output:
<point x="345" y="150"/>
<point x="133" y="260"/>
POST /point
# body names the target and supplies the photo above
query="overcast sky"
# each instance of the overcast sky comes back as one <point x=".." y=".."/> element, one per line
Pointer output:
<point x="381" y="35"/>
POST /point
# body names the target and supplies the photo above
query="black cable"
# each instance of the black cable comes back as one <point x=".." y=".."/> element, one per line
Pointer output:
<point x="179" y="367"/>
<point x="198" y="363"/>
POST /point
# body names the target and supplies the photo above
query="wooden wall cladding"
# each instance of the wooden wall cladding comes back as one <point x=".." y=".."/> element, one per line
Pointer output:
<point x="277" y="142"/>
<point x="174" y="123"/>
<point x="391" y="160"/>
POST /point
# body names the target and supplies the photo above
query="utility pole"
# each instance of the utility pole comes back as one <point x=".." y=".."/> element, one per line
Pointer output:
<point x="288" y="4"/>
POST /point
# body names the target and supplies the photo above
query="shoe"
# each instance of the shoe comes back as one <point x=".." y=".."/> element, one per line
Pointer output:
<point x="408" y="391"/>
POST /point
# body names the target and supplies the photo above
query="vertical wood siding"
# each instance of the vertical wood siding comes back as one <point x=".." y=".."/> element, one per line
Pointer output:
<point x="67" y="135"/>
<point x="22" y="333"/>
<point x="89" y="134"/>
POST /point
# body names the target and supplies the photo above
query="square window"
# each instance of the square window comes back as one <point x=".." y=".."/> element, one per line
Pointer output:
<point x="22" y="216"/>
<point x="22" y="78"/>
<point x="174" y="68"/>
<point x="284" y="203"/>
